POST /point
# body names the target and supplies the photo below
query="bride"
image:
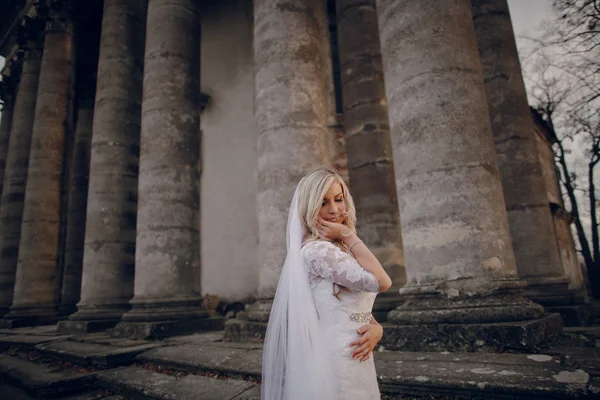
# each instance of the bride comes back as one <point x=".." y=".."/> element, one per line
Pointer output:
<point x="321" y="333"/>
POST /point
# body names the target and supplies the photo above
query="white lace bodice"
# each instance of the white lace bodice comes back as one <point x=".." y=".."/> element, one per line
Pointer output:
<point x="327" y="261"/>
<point x="328" y="264"/>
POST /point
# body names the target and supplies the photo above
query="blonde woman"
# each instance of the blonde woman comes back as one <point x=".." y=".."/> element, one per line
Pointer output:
<point x="321" y="333"/>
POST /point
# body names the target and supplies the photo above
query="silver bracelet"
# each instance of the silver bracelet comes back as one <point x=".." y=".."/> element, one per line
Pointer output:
<point x="358" y="241"/>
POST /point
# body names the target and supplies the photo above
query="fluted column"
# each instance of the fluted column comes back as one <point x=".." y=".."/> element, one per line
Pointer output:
<point x="109" y="249"/>
<point x="291" y="95"/>
<point x="167" y="253"/>
<point x="77" y="203"/>
<point x="368" y="141"/>
<point x="529" y="216"/>
<point x="15" y="176"/>
<point x="459" y="258"/>
<point x="37" y="286"/>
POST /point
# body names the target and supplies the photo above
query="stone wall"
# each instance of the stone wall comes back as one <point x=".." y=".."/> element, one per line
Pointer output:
<point x="562" y="220"/>
<point x="229" y="233"/>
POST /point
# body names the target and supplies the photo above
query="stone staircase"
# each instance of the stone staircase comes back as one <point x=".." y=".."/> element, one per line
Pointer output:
<point x="40" y="363"/>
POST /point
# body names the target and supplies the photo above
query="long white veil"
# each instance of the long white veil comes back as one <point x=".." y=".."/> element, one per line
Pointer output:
<point x="295" y="364"/>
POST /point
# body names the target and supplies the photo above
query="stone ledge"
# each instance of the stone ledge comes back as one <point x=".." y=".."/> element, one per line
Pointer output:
<point x="13" y="393"/>
<point x="481" y="376"/>
<point x="443" y="375"/>
<point x="518" y="335"/>
<point x="386" y="302"/>
<point x="140" y="383"/>
<point x="573" y="315"/>
<point x="93" y="354"/>
<point x="225" y="358"/>
<point x="163" y="329"/>
<point x="240" y="330"/>
<point x="21" y="322"/>
<point x="27" y="341"/>
<point x="74" y="326"/>
<point x="41" y="380"/>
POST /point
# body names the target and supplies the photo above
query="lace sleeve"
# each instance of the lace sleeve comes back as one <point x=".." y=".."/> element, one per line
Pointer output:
<point x="328" y="261"/>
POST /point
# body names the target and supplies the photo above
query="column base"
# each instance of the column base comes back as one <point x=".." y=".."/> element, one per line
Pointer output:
<point x="502" y="301"/>
<point x="574" y="315"/>
<point x="552" y="291"/>
<point x="555" y="296"/>
<point x="260" y="310"/>
<point x="163" y="329"/>
<point x="23" y="322"/>
<point x="151" y="310"/>
<point x="159" y="318"/>
<point x="67" y="310"/>
<point x="386" y="302"/>
<point x="95" y="317"/>
<point x="251" y="325"/>
<point x="518" y="335"/>
<point x="82" y="327"/>
<point x="31" y="315"/>
<point x="240" y="330"/>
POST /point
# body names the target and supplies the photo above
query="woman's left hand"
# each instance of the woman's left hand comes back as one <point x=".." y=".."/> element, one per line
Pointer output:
<point x="370" y="335"/>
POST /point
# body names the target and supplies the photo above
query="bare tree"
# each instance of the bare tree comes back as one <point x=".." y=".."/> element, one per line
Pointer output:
<point x="563" y="76"/>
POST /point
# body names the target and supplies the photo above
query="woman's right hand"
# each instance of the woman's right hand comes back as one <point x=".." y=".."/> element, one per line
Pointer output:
<point x="332" y="230"/>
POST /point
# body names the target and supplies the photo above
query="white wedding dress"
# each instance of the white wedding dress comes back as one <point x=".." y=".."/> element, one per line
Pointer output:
<point x="341" y="316"/>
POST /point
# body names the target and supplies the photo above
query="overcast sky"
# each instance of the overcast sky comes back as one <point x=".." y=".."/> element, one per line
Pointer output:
<point x="527" y="15"/>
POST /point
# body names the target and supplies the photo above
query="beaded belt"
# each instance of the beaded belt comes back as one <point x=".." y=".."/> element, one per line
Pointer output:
<point x="363" y="317"/>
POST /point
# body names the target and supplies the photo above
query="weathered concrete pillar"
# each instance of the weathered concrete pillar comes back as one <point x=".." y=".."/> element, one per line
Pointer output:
<point x="368" y="141"/>
<point x="109" y="249"/>
<point x="7" y="95"/>
<point x="335" y="121"/>
<point x="15" y="176"/>
<point x="8" y="87"/>
<point x="77" y="203"/>
<point x="167" y="253"/>
<point x="461" y="272"/>
<point x="291" y="108"/>
<point x="529" y="215"/>
<point x="37" y="287"/>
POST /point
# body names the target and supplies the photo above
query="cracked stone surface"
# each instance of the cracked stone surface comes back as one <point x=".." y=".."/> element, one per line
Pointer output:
<point x="185" y="367"/>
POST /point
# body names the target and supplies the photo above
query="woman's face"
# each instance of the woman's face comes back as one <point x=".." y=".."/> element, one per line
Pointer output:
<point x="333" y="207"/>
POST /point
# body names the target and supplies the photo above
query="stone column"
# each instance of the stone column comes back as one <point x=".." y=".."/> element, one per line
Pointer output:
<point x="529" y="216"/>
<point x="291" y="108"/>
<point x="37" y="287"/>
<point x="368" y="141"/>
<point x="167" y="253"/>
<point x="15" y="176"/>
<point x="7" y="95"/>
<point x="461" y="272"/>
<point x="77" y="203"/>
<point x="335" y="118"/>
<point x="109" y="249"/>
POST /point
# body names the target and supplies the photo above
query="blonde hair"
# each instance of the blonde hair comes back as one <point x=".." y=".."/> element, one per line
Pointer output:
<point x="311" y="190"/>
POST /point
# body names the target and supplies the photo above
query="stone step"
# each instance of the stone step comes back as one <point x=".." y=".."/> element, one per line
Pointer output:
<point x="495" y="376"/>
<point x="242" y="359"/>
<point x="27" y="341"/>
<point x="40" y="379"/>
<point x="45" y="330"/>
<point x="10" y="392"/>
<point x="142" y="384"/>
<point x="440" y="375"/>
<point x="94" y="354"/>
